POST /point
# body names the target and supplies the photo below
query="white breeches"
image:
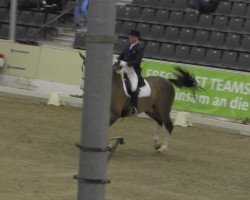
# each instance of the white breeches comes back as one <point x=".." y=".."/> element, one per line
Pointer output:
<point x="130" y="71"/>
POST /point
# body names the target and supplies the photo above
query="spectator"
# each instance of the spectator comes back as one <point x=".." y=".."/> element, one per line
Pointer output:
<point x="202" y="6"/>
<point x="51" y="5"/>
<point x="80" y="7"/>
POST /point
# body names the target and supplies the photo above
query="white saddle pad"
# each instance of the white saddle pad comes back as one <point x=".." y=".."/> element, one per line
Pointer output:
<point x="144" y="91"/>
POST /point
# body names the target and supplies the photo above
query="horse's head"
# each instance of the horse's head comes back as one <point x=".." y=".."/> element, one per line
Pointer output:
<point x="83" y="58"/>
<point x="117" y="68"/>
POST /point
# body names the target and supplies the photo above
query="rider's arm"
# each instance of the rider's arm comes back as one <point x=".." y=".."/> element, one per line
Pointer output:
<point x="138" y="57"/>
<point x="121" y="56"/>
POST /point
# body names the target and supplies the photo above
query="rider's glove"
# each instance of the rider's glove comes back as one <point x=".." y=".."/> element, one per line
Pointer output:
<point x="123" y="64"/>
<point x="115" y="61"/>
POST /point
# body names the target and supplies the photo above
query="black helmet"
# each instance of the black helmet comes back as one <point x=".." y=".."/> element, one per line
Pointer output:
<point x="135" y="33"/>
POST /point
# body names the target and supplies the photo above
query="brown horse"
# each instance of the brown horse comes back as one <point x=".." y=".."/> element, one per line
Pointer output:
<point x="157" y="106"/>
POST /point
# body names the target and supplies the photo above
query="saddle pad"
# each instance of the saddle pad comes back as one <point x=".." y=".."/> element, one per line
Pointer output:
<point x="144" y="91"/>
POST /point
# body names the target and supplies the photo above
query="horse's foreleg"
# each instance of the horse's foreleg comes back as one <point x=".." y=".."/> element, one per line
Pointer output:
<point x="164" y="145"/>
<point x="157" y="137"/>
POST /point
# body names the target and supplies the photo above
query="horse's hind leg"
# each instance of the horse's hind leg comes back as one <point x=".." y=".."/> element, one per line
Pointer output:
<point x="155" y="116"/>
<point x="168" y="124"/>
<point x="163" y="118"/>
<point x="168" y="128"/>
<point x="157" y="143"/>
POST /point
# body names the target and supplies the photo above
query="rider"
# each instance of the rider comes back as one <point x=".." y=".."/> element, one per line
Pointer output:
<point x="130" y="60"/>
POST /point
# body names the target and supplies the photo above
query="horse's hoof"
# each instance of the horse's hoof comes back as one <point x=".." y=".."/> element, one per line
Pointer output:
<point x="162" y="150"/>
<point x="157" y="146"/>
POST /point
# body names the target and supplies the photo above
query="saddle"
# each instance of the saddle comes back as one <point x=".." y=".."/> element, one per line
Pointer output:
<point x="143" y="89"/>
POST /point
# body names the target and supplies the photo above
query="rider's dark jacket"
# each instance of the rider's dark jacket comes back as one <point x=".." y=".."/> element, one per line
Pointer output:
<point x="133" y="57"/>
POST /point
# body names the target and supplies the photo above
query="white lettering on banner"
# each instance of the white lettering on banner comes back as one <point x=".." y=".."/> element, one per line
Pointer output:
<point x="230" y="86"/>
<point x="217" y="91"/>
<point x="167" y="75"/>
<point x="239" y="104"/>
<point x="236" y="103"/>
<point x="215" y="83"/>
<point x="201" y="80"/>
<point x="189" y="97"/>
<point x="219" y="102"/>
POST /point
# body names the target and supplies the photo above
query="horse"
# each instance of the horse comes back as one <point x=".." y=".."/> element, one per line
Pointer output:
<point x="157" y="106"/>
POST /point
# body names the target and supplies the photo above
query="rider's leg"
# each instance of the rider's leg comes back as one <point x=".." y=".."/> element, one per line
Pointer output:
<point x="134" y="91"/>
<point x="133" y="102"/>
<point x="133" y="78"/>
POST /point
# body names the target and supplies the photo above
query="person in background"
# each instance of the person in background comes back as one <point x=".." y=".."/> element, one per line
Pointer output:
<point x="51" y="5"/>
<point x="80" y="8"/>
<point x="202" y="6"/>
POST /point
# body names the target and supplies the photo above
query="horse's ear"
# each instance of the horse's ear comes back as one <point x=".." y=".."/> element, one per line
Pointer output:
<point x="82" y="56"/>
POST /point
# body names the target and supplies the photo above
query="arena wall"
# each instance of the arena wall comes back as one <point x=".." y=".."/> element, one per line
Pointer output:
<point x="41" y="62"/>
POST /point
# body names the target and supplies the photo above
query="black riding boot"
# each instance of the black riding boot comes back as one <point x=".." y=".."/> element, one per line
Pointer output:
<point x="133" y="103"/>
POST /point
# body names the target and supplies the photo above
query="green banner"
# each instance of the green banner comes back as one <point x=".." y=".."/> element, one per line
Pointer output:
<point x="226" y="93"/>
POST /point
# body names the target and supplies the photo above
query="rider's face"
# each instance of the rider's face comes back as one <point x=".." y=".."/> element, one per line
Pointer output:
<point x="133" y="39"/>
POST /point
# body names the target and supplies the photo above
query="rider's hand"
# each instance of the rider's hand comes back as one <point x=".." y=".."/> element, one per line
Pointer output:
<point x="115" y="61"/>
<point x="123" y="64"/>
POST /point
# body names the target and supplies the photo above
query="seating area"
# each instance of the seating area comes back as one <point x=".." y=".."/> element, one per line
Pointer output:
<point x="30" y="21"/>
<point x="220" y="39"/>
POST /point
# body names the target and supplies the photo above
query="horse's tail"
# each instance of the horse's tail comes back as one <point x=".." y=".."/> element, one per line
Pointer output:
<point x="184" y="79"/>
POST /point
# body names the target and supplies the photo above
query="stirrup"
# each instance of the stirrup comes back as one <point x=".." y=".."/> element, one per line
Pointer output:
<point x="133" y="111"/>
